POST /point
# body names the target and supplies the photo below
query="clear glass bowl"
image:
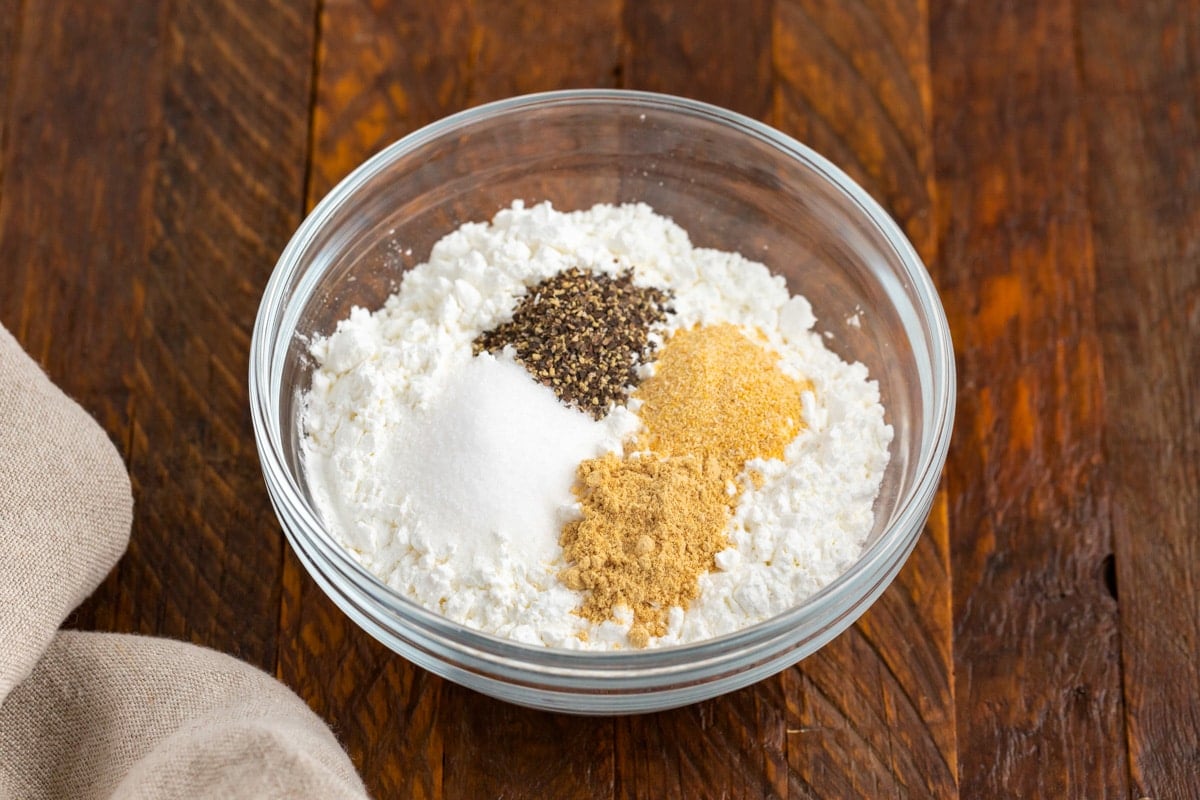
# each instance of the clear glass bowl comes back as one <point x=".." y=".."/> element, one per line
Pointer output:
<point x="733" y="184"/>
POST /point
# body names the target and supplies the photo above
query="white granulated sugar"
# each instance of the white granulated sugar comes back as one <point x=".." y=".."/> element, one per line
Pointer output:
<point x="448" y="475"/>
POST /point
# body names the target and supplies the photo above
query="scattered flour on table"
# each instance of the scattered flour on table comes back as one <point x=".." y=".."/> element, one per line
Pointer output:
<point x="449" y="475"/>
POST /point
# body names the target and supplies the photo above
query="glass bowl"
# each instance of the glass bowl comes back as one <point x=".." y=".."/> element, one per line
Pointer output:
<point x="733" y="184"/>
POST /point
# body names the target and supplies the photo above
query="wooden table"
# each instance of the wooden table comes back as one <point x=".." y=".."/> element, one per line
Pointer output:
<point x="1044" y="157"/>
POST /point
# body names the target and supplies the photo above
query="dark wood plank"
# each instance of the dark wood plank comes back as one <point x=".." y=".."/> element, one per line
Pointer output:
<point x="1142" y="84"/>
<point x="539" y="47"/>
<point x="205" y="559"/>
<point x="873" y="712"/>
<point x="1036" y="642"/>
<point x="75" y="211"/>
<point x="153" y="172"/>
<point x="853" y="84"/>
<point x="385" y="69"/>
<point x="11" y="17"/>
<point x="147" y="194"/>
<point x="71" y="222"/>
<point x="713" y="51"/>
<point x="732" y="746"/>
<point x="494" y="749"/>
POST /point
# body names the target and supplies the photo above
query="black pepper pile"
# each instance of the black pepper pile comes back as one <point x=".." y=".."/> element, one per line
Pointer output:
<point x="582" y="334"/>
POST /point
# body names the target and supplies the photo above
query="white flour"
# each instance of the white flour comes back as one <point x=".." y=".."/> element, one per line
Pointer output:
<point x="398" y="403"/>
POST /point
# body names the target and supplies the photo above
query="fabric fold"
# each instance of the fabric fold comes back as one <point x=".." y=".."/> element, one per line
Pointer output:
<point x="116" y="715"/>
<point x="65" y="510"/>
<point x="98" y="715"/>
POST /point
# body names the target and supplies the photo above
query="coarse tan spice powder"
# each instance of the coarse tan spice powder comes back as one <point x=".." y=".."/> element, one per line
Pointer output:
<point x="650" y="526"/>
<point x="654" y="522"/>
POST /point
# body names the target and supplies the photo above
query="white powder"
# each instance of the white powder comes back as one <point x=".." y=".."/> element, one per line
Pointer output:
<point x="449" y="475"/>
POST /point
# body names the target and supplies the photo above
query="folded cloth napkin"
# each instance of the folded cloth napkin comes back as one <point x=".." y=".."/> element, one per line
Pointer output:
<point x="65" y="510"/>
<point x="98" y="715"/>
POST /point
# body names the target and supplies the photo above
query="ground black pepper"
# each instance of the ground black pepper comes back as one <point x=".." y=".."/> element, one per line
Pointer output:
<point x="582" y="334"/>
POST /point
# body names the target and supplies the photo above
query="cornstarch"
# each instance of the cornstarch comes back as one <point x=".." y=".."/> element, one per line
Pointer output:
<point x="448" y="472"/>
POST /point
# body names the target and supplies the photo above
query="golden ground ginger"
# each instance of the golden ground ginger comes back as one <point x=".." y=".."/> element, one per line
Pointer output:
<point x="650" y="526"/>
<point x="653" y="522"/>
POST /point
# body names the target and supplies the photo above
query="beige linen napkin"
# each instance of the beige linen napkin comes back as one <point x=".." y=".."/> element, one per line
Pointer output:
<point x="65" y="510"/>
<point x="94" y="715"/>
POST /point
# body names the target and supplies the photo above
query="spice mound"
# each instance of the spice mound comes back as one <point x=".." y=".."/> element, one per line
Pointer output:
<point x="651" y="527"/>
<point x="654" y="523"/>
<point x="582" y="334"/>
<point x="718" y="394"/>
<point x="577" y="430"/>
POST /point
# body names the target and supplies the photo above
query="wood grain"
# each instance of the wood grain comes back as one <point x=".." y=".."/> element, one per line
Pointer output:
<point x="733" y="746"/>
<point x="71" y="222"/>
<point x="75" y="215"/>
<point x="872" y="713"/>
<point x="1142" y="85"/>
<point x="712" y="51"/>
<point x="384" y="70"/>
<point x="387" y="68"/>
<point x="1044" y="637"/>
<point x="539" y="47"/>
<point x="853" y="84"/>
<point x="205" y="556"/>
<point x="141" y="225"/>
<point x="11" y="18"/>
<point x="497" y="750"/>
<point x="1036" y="641"/>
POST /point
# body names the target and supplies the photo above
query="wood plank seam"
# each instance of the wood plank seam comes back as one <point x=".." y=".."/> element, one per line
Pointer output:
<point x="1034" y="633"/>
<point x="13" y="34"/>
<point x="1142" y="83"/>
<point x="1080" y="68"/>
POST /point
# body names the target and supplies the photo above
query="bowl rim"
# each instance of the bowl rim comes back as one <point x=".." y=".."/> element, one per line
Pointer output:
<point x="895" y="542"/>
